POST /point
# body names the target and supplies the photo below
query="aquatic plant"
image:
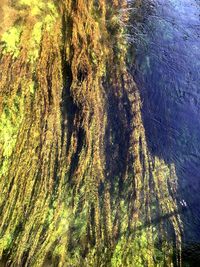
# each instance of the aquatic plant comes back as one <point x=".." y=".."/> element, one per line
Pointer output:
<point x="78" y="185"/>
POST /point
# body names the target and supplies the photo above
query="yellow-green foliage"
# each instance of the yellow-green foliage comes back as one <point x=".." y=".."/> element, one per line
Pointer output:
<point x="11" y="40"/>
<point x="46" y="14"/>
<point x="45" y="10"/>
<point x="35" y="41"/>
<point x="32" y="87"/>
<point x="42" y="15"/>
<point x="36" y="6"/>
<point x="133" y="252"/>
<point x="5" y="242"/>
<point x="10" y="121"/>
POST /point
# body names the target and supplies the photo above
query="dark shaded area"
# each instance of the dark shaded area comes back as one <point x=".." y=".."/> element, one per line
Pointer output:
<point x="117" y="133"/>
<point x="69" y="110"/>
<point x="191" y="255"/>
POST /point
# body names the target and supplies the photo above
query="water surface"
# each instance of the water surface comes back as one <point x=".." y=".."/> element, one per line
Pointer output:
<point x="168" y="74"/>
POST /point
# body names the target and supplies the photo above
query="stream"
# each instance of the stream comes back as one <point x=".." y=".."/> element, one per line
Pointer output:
<point x="167" y="72"/>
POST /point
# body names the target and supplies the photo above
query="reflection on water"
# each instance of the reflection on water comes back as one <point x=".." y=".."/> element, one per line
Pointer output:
<point x="168" y="74"/>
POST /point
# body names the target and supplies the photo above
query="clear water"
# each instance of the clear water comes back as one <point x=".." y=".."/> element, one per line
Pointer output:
<point x="168" y="74"/>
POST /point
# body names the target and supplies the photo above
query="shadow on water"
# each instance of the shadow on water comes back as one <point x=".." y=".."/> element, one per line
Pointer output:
<point x="167" y="71"/>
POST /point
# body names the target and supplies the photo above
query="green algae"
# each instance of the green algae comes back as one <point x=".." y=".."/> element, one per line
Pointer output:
<point x="45" y="14"/>
<point x="11" y="40"/>
<point x="35" y="42"/>
<point x="10" y="122"/>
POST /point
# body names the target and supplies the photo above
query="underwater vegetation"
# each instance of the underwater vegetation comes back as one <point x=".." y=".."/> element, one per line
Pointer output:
<point x="78" y="184"/>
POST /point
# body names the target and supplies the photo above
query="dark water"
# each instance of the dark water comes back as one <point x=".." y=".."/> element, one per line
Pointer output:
<point x="168" y="75"/>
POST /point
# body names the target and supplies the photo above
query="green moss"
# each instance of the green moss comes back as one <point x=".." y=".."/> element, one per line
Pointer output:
<point x="10" y="121"/>
<point x="35" y="43"/>
<point x="136" y="252"/>
<point x="36" y="6"/>
<point x="52" y="8"/>
<point x="47" y="19"/>
<point x="37" y="32"/>
<point x="6" y="241"/>
<point x="32" y="88"/>
<point x="39" y="8"/>
<point x="11" y="40"/>
<point x="118" y="253"/>
<point x="45" y="14"/>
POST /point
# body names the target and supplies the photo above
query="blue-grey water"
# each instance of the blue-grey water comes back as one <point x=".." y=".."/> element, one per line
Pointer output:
<point x="167" y="72"/>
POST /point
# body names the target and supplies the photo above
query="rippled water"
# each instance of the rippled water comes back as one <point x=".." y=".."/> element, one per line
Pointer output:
<point x="168" y="74"/>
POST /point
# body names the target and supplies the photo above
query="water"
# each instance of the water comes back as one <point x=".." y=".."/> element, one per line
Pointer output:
<point x="167" y="71"/>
